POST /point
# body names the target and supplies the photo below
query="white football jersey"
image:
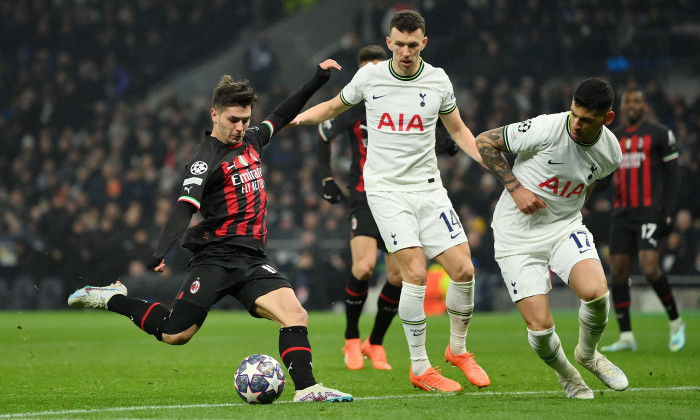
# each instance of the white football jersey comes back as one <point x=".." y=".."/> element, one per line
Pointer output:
<point x="558" y="170"/>
<point x="401" y="113"/>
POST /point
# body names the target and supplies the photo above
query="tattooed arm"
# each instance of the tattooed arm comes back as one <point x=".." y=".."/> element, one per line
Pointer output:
<point x="491" y="145"/>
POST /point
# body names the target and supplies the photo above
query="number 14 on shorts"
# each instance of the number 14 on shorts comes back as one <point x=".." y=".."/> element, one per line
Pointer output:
<point x="454" y="226"/>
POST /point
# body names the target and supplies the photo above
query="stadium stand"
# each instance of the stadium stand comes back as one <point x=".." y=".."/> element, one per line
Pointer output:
<point x="89" y="164"/>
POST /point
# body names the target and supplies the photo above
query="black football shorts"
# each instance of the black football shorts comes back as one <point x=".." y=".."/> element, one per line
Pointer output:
<point x="244" y="277"/>
<point x="629" y="236"/>
<point x="362" y="223"/>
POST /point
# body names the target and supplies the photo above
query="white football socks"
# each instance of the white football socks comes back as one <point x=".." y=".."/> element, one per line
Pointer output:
<point x="412" y="316"/>
<point x="460" y="306"/>
<point x="592" y="319"/>
<point x="547" y="346"/>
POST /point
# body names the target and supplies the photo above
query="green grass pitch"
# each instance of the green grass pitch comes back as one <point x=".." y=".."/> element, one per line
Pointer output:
<point x="95" y="364"/>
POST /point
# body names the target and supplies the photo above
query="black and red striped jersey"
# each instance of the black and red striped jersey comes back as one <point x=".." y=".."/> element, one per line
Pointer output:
<point x="352" y="121"/>
<point x="642" y="182"/>
<point x="226" y="185"/>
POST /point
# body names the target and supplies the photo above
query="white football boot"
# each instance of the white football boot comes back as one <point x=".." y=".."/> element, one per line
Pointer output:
<point x="95" y="297"/>
<point x="604" y="369"/>
<point x="625" y="343"/>
<point x="574" y="387"/>
<point x="677" y="335"/>
<point x="319" y="392"/>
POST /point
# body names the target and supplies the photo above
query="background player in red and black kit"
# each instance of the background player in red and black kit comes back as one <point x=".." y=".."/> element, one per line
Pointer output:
<point x="223" y="181"/>
<point x="365" y="239"/>
<point x="646" y="195"/>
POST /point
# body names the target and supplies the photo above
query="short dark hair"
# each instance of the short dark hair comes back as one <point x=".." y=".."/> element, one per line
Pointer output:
<point x="407" y="21"/>
<point x="371" y="53"/>
<point x="595" y="94"/>
<point x="229" y="92"/>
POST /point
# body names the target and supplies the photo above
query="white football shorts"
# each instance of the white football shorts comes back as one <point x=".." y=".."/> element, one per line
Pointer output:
<point x="423" y="219"/>
<point x="527" y="275"/>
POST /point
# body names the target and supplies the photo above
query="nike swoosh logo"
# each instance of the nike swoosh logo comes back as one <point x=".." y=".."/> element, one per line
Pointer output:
<point x="455" y="235"/>
<point x="377" y="97"/>
<point x="554" y="163"/>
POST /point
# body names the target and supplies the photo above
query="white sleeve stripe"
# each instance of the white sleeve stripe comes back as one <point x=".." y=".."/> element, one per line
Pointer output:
<point x="321" y="133"/>
<point x="272" y="128"/>
<point x="670" y="157"/>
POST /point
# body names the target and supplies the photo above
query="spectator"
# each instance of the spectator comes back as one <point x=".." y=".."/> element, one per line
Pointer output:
<point x="72" y="77"/>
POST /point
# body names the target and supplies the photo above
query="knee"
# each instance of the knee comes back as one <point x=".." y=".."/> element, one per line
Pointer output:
<point x="416" y="276"/>
<point x="594" y="292"/>
<point x="618" y="275"/>
<point x="539" y="325"/>
<point x="295" y="317"/>
<point x="362" y="270"/>
<point x="464" y="273"/>
<point x="394" y="278"/>
<point x="651" y="273"/>
<point x="179" y="338"/>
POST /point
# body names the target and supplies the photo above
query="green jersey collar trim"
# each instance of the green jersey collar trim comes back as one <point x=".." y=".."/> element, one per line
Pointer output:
<point x="407" y="78"/>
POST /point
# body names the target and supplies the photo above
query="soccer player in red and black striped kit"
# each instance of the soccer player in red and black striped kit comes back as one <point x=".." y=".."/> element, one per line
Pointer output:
<point x="646" y="195"/>
<point x="365" y="239"/>
<point x="223" y="181"/>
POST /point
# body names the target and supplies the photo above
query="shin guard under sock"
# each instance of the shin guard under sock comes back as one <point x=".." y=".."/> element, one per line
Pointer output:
<point x="295" y="352"/>
<point x="355" y="296"/>
<point x="387" y="307"/>
<point x="663" y="291"/>
<point x="149" y="316"/>
<point x="621" y="302"/>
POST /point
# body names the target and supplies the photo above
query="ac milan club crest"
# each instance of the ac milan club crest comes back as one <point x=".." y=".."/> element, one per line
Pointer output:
<point x="194" y="287"/>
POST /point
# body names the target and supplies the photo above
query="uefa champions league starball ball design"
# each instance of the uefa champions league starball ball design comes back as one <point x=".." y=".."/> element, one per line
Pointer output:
<point x="259" y="379"/>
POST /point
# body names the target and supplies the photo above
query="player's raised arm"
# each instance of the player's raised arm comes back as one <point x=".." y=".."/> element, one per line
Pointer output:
<point x="321" y="112"/>
<point x="491" y="145"/>
<point x="290" y="107"/>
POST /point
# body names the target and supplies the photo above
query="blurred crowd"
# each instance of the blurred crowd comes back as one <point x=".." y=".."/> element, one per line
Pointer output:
<point x="89" y="173"/>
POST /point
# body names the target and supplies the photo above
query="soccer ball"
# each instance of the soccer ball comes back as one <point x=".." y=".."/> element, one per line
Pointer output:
<point x="259" y="379"/>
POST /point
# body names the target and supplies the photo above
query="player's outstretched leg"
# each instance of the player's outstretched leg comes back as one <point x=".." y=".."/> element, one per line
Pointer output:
<point x="677" y="334"/>
<point x="96" y="297"/>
